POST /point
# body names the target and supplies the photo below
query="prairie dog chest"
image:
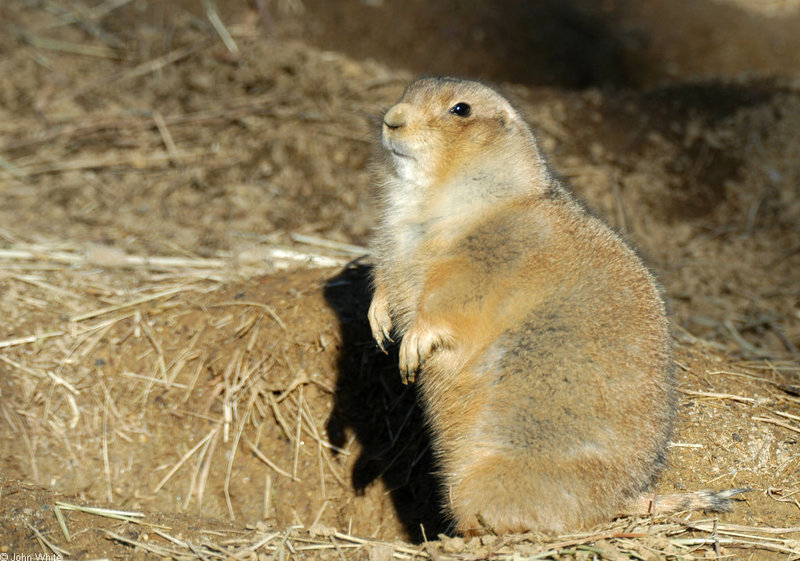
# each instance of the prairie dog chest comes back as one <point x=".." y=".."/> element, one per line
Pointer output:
<point x="409" y="226"/>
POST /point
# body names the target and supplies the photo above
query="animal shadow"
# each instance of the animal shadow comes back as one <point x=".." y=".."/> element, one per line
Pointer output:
<point x="383" y="414"/>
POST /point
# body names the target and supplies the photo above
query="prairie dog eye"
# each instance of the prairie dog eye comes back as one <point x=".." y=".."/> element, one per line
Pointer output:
<point x="461" y="109"/>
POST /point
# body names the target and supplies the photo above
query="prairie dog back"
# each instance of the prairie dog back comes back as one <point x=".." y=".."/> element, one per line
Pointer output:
<point x="539" y="339"/>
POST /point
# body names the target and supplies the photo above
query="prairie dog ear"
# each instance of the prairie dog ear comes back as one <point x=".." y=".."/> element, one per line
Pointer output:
<point x="506" y="118"/>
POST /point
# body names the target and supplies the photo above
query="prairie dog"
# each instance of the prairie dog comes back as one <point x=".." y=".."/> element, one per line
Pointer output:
<point x="539" y="339"/>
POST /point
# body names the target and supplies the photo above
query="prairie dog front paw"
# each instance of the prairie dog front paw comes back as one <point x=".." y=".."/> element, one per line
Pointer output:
<point x="418" y="344"/>
<point x="379" y="320"/>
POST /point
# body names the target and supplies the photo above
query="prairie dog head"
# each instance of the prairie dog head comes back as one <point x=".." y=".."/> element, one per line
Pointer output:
<point x="445" y="128"/>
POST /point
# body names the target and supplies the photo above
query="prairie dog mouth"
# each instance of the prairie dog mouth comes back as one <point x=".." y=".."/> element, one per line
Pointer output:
<point x="397" y="154"/>
<point x="396" y="151"/>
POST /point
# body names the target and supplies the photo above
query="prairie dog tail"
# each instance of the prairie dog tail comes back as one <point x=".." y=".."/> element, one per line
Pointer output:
<point x="649" y="504"/>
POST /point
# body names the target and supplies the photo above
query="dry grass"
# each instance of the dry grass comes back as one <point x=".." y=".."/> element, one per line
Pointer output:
<point x="165" y="378"/>
<point x="625" y="539"/>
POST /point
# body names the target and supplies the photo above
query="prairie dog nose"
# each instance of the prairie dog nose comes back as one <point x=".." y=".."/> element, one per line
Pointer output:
<point x="397" y="116"/>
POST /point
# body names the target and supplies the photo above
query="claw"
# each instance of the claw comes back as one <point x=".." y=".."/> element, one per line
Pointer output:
<point x="409" y="376"/>
<point x="385" y="336"/>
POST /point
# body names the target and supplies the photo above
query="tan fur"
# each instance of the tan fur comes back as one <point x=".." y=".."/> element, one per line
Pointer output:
<point x="540" y="340"/>
<point x="650" y="504"/>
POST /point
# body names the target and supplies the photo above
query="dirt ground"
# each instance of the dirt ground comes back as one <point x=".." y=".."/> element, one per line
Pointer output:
<point x="186" y="202"/>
